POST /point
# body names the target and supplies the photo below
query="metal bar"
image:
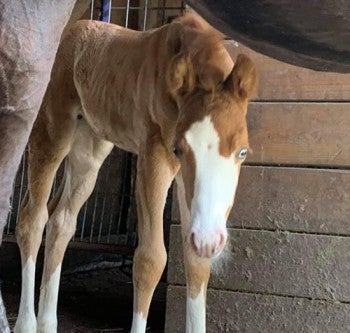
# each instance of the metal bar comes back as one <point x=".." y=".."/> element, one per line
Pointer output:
<point x="92" y="5"/>
<point x="21" y="187"/>
<point x="93" y="218"/>
<point x="12" y="204"/>
<point x="127" y="13"/>
<point x="8" y="225"/>
<point x="110" y="221"/>
<point x="127" y="194"/>
<point x="121" y="203"/>
<point x="149" y="8"/>
<point x="101" y="219"/>
<point x="84" y="219"/>
<point x="163" y="12"/>
<point x="53" y="190"/>
<point x="145" y="12"/>
<point x="104" y="201"/>
<point x="109" y="11"/>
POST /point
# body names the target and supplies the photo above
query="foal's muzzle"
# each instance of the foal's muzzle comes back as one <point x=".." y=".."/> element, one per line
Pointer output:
<point x="209" y="244"/>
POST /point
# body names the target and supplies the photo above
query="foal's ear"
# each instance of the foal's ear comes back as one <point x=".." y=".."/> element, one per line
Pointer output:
<point x="243" y="80"/>
<point x="180" y="74"/>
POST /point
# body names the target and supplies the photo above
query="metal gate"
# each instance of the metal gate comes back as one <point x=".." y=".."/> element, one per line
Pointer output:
<point x="107" y="221"/>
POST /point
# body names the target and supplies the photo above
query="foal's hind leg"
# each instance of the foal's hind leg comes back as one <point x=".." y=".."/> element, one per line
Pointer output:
<point x="156" y="169"/>
<point x="47" y="148"/>
<point x="82" y="166"/>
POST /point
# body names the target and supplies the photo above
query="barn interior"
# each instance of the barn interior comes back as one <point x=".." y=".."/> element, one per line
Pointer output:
<point x="287" y="265"/>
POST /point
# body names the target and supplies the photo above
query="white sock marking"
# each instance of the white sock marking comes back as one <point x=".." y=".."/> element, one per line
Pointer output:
<point x="26" y="321"/>
<point x="195" y="315"/>
<point x="138" y="323"/>
<point x="47" y="316"/>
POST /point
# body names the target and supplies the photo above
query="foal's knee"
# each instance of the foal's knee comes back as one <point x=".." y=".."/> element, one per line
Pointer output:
<point x="61" y="225"/>
<point x="30" y="228"/>
<point x="149" y="264"/>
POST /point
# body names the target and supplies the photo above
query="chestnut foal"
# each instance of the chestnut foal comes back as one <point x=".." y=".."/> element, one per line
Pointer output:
<point x="173" y="97"/>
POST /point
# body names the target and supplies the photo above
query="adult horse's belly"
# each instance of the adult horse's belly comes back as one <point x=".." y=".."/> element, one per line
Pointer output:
<point x="313" y="34"/>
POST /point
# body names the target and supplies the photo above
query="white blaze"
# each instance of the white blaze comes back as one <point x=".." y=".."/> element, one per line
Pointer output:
<point x="26" y="321"/>
<point x="215" y="181"/>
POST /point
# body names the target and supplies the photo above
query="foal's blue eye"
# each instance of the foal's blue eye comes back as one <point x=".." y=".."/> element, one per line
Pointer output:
<point x="242" y="153"/>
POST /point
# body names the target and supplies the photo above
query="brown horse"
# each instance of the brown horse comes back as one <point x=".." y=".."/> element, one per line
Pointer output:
<point x="173" y="97"/>
<point x="29" y="35"/>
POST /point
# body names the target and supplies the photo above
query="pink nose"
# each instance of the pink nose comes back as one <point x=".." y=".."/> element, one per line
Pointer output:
<point x="208" y="246"/>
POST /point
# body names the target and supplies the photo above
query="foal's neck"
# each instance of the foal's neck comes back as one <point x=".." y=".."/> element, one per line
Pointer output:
<point x="153" y="94"/>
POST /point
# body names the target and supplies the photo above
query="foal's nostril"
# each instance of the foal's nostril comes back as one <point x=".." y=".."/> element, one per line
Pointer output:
<point x="208" y="247"/>
<point x="193" y="243"/>
<point x="222" y="241"/>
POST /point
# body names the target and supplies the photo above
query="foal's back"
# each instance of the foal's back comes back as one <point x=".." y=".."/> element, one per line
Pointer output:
<point x="111" y="75"/>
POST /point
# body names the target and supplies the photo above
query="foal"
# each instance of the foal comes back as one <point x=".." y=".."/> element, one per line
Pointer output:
<point x="173" y="97"/>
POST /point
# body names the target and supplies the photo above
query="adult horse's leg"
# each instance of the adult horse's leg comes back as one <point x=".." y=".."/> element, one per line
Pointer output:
<point x="197" y="271"/>
<point x="3" y="321"/>
<point x="30" y="32"/>
<point x="155" y="171"/>
<point x="82" y="166"/>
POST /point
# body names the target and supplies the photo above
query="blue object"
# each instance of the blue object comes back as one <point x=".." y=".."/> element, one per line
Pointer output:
<point x="105" y="14"/>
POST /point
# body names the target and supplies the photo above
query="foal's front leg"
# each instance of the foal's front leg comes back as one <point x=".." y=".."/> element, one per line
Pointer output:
<point x="197" y="271"/>
<point x="155" y="171"/>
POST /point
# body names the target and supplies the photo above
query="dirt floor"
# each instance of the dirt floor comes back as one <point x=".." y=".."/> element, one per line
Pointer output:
<point x="95" y="292"/>
<point x="85" y="308"/>
<point x="87" y="314"/>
